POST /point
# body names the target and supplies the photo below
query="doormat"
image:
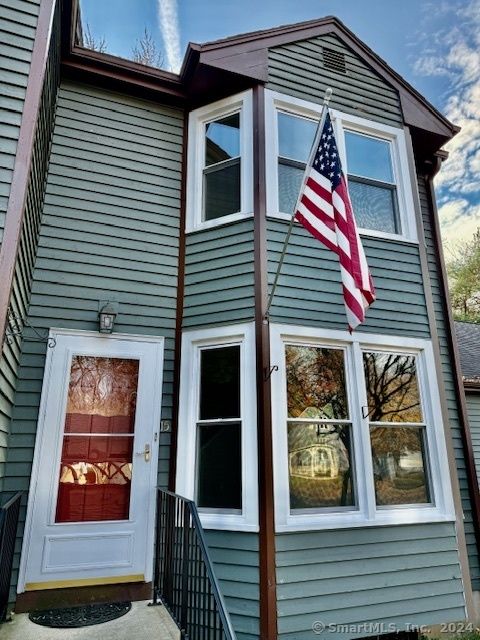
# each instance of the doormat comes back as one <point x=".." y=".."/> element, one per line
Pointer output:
<point x="82" y="616"/>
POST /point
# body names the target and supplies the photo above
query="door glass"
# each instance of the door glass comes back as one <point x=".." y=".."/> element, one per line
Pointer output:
<point x="96" y="465"/>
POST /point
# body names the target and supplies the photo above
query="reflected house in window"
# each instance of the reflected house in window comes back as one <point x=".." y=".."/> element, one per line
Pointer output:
<point x="317" y="461"/>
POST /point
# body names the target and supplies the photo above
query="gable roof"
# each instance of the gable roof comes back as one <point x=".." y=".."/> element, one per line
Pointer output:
<point x="247" y="54"/>
<point x="468" y="338"/>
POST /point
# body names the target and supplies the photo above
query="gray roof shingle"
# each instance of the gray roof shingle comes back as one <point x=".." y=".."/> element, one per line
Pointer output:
<point x="468" y="337"/>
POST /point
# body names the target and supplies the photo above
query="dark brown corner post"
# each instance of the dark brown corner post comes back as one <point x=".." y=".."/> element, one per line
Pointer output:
<point x="268" y="595"/>
<point x="179" y="312"/>
<point x="453" y="348"/>
<point x="23" y="159"/>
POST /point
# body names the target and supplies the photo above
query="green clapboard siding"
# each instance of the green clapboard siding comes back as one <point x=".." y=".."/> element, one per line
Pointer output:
<point x="219" y="279"/>
<point x="473" y="408"/>
<point x="22" y="278"/>
<point x="110" y="231"/>
<point x="397" y="575"/>
<point x="235" y="559"/>
<point x="448" y="378"/>
<point x="297" y="69"/>
<point x="309" y="289"/>
<point x="18" y="22"/>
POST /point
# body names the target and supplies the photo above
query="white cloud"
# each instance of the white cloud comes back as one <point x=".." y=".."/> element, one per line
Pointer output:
<point x="458" y="221"/>
<point x="454" y="52"/>
<point x="168" y="19"/>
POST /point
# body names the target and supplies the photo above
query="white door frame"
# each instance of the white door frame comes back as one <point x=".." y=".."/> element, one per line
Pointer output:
<point x="41" y="435"/>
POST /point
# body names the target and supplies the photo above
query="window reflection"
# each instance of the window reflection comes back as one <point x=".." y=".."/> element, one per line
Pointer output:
<point x="319" y="462"/>
<point x="316" y="382"/>
<point x="295" y="138"/>
<point x="319" y="435"/>
<point x="96" y="466"/>
<point x="369" y="157"/>
<point x="222" y="139"/>
<point x="399" y="465"/>
<point x="392" y="387"/>
<point x="222" y="171"/>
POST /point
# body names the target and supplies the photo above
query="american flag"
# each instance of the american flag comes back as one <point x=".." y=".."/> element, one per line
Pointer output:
<point x="325" y="210"/>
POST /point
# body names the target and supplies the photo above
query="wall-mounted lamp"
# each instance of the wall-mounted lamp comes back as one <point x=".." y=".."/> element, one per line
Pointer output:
<point x="106" y="318"/>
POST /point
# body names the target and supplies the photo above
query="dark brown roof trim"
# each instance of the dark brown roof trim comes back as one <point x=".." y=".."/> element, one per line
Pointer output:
<point x="266" y="507"/>
<point x="112" y="71"/>
<point x="418" y="112"/>
<point x="246" y="57"/>
<point x="470" y="468"/>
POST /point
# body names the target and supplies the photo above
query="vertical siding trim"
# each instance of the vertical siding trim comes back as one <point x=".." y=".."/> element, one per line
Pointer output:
<point x="23" y="159"/>
<point x="457" y="499"/>
<point x="457" y="377"/>
<point x="267" y="554"/>
<point x="179" y="312"/>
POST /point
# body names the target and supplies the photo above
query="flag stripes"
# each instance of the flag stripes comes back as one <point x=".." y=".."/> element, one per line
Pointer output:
<point x="325" y="210"/>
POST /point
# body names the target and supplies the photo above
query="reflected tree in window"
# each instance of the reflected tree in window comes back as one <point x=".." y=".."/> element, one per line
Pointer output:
<point x="96" y="463"/>
<point x="316" y="383"/>
<point x="398" y="436"/>
<point x="319" y="435"/>
<point x="392" y="388"/>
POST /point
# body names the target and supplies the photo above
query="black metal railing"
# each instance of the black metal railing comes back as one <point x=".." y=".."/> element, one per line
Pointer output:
<point x="8" y="532"/>
<point x="184" y="580"/>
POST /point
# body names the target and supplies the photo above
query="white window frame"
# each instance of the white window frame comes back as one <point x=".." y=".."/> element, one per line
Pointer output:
<point x="275" y="102"/>
<point x="198" y="119"/>
<point x="366" y="513"/>
<point x="192" y="343"/>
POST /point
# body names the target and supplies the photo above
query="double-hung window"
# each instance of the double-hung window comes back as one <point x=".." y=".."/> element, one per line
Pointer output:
<point x="217" y="426"/>
<point x="219" y="160"/>
<point x="373" y="155"/>
<point x="358" y="436"/>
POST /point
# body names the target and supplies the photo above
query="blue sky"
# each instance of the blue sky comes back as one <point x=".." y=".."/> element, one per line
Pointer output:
<point x="434" y="44"/>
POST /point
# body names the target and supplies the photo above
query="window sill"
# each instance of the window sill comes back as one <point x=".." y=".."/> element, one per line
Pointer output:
<point x="227" y="522"/>
<point x="218" y="222"/>
<point x="355" y="520"/>
<point x="365" y="233"/>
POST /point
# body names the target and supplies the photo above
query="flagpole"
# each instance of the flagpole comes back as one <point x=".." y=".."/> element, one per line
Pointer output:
<point x="311" y="155"/>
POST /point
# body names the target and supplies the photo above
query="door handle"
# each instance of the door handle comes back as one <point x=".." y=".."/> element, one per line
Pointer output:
<point x="145" y="453"/>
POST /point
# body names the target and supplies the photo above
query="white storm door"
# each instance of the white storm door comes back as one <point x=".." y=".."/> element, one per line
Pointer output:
<point x="90" y="517"/>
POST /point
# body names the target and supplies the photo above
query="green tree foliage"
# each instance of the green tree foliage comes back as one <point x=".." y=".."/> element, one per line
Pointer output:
<point x="464" y="280"/>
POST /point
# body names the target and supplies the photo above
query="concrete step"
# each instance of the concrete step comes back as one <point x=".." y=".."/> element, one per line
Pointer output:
<point x="140" y="623"/>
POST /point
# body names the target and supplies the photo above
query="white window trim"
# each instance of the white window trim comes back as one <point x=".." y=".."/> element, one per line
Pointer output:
<point x="192" y="342"/>
<point x="242" y="103"/>
<point x="275" y="101"/>
<point x="366" y="513"/>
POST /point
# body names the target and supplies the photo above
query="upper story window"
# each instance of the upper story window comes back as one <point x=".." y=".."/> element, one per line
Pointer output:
<point x="374" y="158"/>
<point x="217" y="426"/>
<point x="371" y="182"/>
<point x="358" y="436"/>
<point x="220" y="163"/>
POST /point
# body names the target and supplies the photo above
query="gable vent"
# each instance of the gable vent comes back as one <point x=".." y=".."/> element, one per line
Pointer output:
<point x="334" y="60"/>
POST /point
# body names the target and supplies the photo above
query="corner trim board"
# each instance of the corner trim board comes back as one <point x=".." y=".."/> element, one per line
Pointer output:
<point x="267" y="555"/>
<point x="23" y="159"/>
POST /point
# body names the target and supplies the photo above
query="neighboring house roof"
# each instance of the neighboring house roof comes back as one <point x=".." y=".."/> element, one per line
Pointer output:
<point x="468" y="338"/>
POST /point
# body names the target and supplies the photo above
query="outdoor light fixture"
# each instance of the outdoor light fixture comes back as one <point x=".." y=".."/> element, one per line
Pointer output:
<point x="106" y="318"/>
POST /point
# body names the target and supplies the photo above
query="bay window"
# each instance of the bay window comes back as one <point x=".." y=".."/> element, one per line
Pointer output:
<point x="374" y="160"/>
<point x="217" y="426"/>
<point x="220" y="163"/>
<point x="358" y="436"/>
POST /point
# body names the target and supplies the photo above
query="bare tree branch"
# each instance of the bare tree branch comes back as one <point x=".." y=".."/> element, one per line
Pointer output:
<point x="146" y="51"/>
